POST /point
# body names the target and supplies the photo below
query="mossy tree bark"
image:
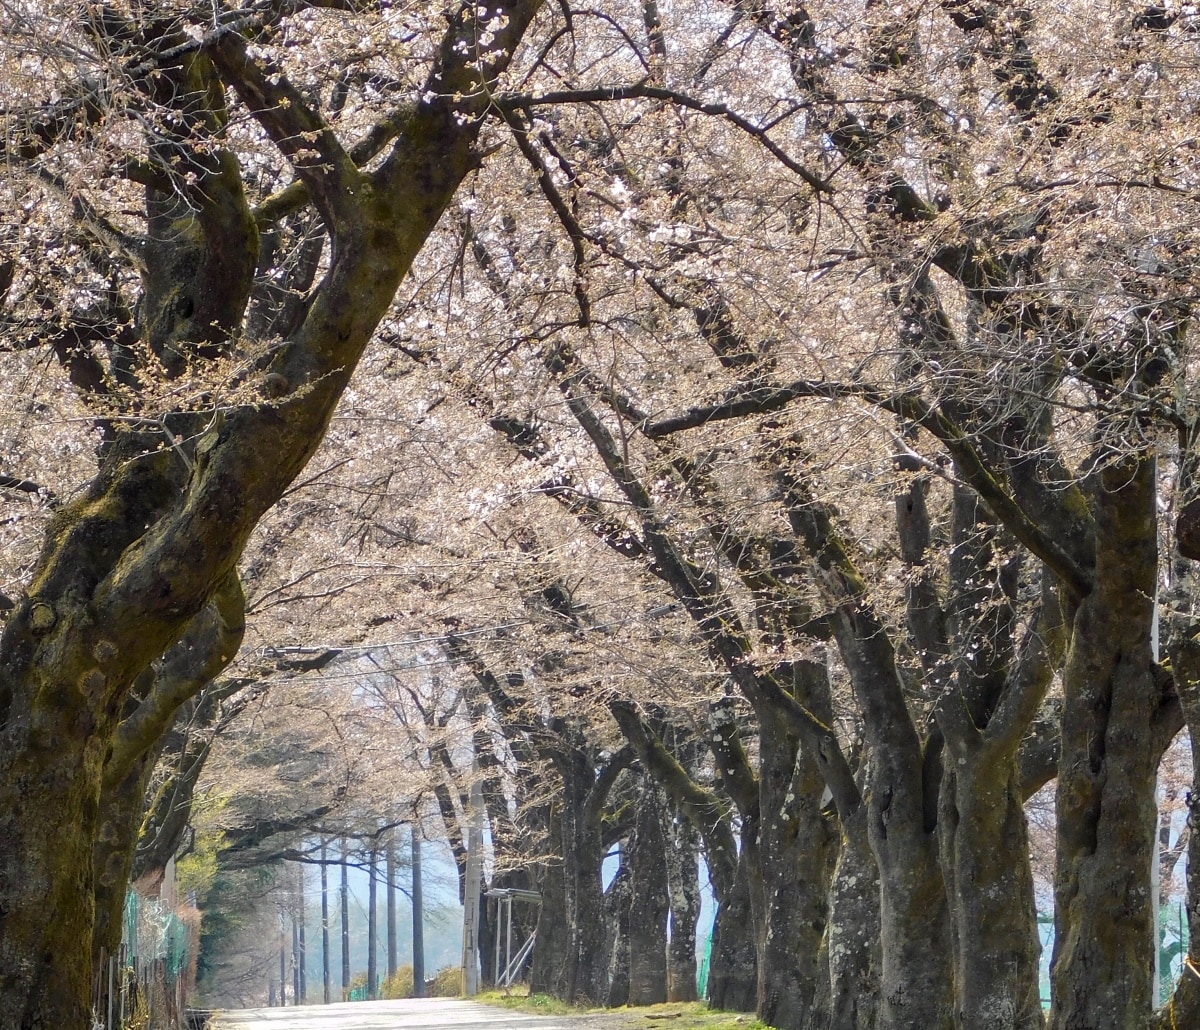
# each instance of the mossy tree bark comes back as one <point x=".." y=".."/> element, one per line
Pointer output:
<point x="571" y="958"/>
<point x="683" y="886"/>
<point x="994" y="694"/>
<point x="733" y="966"/>
<point x="615" y="955"/>
<point x="648" y="899"/>
<point x="916" y="975"/>
<point x="1113" y="732"/>
<point x="1183" y="1008"/>
<point x="567" y="961"/>
<point x="553" y="930"/>
<point x="769" y="691"/>
<point x="795" y="852"/>
<point x="207" y="647"/>
<point x="852" y="934"/>
<point x="129" y="565"/>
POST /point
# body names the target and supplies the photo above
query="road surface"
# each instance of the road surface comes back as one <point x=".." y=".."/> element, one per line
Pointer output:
<point x="412" y="1014"/>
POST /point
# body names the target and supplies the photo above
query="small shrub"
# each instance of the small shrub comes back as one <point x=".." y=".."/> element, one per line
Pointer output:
<point x="399" y="985"/>
<point x="447" y="983"/>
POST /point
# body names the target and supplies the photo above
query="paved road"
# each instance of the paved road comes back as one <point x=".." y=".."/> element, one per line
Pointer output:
<point x="413" y="1014"/>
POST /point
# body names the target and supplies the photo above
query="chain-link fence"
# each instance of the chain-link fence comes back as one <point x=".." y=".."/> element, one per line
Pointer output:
<point x="144" y="985"/>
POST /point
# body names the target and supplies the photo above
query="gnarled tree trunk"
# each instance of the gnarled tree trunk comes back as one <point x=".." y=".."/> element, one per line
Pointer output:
<point x="683" y="845"/>
<point x="850" y="948"/>
<point x="796" y="850"/>
<point x="615" y="957"/>
<point x="649" y="905"/>
<point x="1106" y="807"/>
<point x="733" y="964"/>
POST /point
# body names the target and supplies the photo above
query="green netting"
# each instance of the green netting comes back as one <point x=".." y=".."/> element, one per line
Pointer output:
<point x="152" y="933"/>
<point x="1172" y="947"/>
<point x="176" y="947"/>
<point x="1173" y="944"/>
<point x="702" y="973"/>
<point x="133" y="912"/>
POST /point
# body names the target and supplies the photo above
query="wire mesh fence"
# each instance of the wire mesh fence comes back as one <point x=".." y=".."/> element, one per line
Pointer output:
<point x="144" y="984"/>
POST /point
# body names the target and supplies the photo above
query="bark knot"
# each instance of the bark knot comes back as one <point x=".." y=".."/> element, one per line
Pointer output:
<point x="275" y="385"/>
<point x="91" y="681"/>
<point x="42" y="618"/>
<point x="104" y="651"/>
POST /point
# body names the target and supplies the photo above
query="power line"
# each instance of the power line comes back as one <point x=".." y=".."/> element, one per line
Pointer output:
<point x="422" y="640"/>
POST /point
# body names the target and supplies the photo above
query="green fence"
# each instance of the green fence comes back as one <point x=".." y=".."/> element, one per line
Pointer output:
<point x="155" y="934"/>
<point x="702" y="972"/>
<point x="1172" y="947"/>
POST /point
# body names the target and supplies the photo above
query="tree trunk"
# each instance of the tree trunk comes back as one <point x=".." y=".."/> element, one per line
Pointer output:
<point x="733" y="963"/>
<point x="585" y="897"/>
<point x="121" y="808"/>
<point x="1106" y="807"/>
<point x="916" y="979"/>
<point x="1183" y="1008"/>
<point x="985" y="857"/>
<point x="852" y="934"/>
<point x="683" y="845"/>
<point x="46" y="883"/>
<point x="648" y="899"/>
<point x="568" y="960"/>
<point x="550" y="953"/>
<point x="795" y="850"/>
<point x="982" y="716"/>
<point x="130" y="562"/>
<point x="616" y="953"/>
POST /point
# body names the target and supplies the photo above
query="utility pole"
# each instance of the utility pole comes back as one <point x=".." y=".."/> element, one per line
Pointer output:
<point x="302" y="956"/>
<point x="282" y="961"/>
<point x="324" y="923"/>
<point x="372" y="928"/>
<point x="345" y="923"/>
<point x="390" y="865"/>
<point x="470" y="956"/>
<point x="295" y="959"/>
<point x="418" y="915"/>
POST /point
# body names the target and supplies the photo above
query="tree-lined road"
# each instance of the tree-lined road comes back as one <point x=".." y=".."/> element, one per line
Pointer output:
<point x="411" y="1014"/>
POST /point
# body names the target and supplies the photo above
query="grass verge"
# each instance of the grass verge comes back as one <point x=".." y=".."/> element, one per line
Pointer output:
<point x="693" y="1015"/>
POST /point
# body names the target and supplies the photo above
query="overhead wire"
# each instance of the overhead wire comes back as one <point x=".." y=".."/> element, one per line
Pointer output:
<point x="424" y="640"/>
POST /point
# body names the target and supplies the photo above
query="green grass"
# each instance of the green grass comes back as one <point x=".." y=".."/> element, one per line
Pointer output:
<point x="520" y="999"/>
<point x="693" y="1015"/>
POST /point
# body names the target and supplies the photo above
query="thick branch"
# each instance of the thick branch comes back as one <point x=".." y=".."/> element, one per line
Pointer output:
<point x="629" y="91"/>
<point x="207" y="647"/>
<point x="971" y="464"/>
<point x="297" y="130"/>
<point x="239" y="843"/>
<point x="702" y="808"/>
<point x="710" y="609"/>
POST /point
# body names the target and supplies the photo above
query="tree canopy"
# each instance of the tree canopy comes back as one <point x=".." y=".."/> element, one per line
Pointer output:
<point x="767" y="422"/>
